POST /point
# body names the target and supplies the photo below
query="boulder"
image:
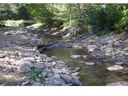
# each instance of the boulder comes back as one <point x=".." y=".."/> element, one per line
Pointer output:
<point x="24" y="65"/>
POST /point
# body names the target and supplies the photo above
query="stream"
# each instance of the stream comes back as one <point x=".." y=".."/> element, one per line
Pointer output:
<point x="95" y="75"/>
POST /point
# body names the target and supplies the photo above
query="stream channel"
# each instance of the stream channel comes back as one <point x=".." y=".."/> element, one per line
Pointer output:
<point x="95" y="75"/>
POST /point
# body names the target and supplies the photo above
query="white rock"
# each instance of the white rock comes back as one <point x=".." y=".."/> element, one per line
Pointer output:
<point x="119" y="63"/>
<point x="89" y="63"/>
<point x="53" y="63"/>
<point x="91" y="48"/>
<point x="22" y="62"/>
<point x="120" y="83"/>
<point x="114" y="68"/>
<point x="25" y="83"/>
<point x="84" y="56"/>
<point x="75" y="56"/>
<point x="24" y="65"/>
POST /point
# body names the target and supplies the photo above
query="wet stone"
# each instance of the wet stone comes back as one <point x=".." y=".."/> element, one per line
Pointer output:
<point x="115" y="67"/>
<point x="89" y="63"/>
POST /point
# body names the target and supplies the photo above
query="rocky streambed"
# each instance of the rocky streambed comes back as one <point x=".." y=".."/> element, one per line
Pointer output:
<point x="27" y="60"/>
<point x="22" y="65"/>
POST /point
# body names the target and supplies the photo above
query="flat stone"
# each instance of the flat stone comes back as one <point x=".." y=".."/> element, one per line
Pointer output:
<point x="25" y="83"/>
<point x="89" y="63"/>
<point x="49" y="59"/>
<point x="75" y="56"/>
<point x="119" y="63"/>
<point x="114" y="68"/>
<point x="39" y="65"/>
<point x="37" y="84"/>
<point x="75" y="74"/>
<point x="120" y="83"/>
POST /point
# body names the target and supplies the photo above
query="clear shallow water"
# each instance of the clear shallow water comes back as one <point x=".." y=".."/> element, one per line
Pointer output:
<point x="89" y="75"/>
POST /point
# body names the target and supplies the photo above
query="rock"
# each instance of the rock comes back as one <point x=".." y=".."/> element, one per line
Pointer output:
<point x="60" y="62"/>
<point x="56" y="71"/>
<point x="117" y="43"/>
<point x="84" y="56"/>
<point x="49" y="59"/>
<point x="77" y="46"/>
<point x="75" y="81"/>
<point x="44" y="74"/>
<point x="119" y="63"/>
<point x="75" y="74"/>
<point x="114" y="68"/>
<point x="23" y="61"/>
<point x="54" y="57"/>
<point x="75" y="70"/>
<point x="24" y="68"/>
<point x="24" y="65"/>
<point x="120" y="83"/>
<point x="37" y="84"/>
<point x="54" y="63"/>
<point x="106" y="41"/>
<point x="91" y="48"/>
<point x="47" y="70"/>
<point x="2" y="55"/>
<point x="67" y="78"/>
<point x="29" y="59"/>
<point x="48" y="65"/>
<point x="39" y="65"/>
<point x="89" y="63"/>
<point x="75" y="56"/>
<point x="57" y="81"/>
<point x="126" y="53"/>
<point x="25" y="83"/>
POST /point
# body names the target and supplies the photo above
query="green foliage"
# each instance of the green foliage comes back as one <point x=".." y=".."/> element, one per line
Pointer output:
<point x="23" y="13"/>
<point x="35" y="74"/>
<point x="123" y="22"/>
<point x="100" y="18"/>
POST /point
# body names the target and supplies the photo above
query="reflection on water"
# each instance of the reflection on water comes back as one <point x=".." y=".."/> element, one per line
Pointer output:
<point x="89" y="75"/>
